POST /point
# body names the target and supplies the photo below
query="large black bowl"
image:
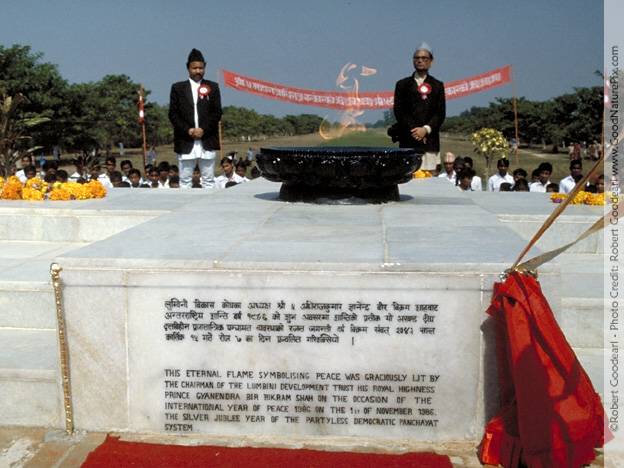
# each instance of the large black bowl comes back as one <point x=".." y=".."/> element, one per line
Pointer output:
<point x="309" y="173"/>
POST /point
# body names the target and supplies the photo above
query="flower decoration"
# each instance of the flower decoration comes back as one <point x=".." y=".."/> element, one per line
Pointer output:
<point x="421" y="174"/>
<point x="36" y="189"/>
<point x="581" y="198"/>
<point x="491" y="144"/>
<point x="424" y="90"/>
<point x="203" y="91"/>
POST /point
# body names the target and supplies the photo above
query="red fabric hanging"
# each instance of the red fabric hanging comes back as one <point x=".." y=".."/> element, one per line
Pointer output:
<point x="550" y="414"/>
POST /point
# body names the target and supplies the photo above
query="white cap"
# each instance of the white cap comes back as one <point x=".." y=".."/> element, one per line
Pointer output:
<point x="425" y="46"/>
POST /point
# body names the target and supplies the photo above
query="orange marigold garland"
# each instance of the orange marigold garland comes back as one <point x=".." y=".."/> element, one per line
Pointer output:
<point x="36" y="189"/>
<point x="581" y="198"/>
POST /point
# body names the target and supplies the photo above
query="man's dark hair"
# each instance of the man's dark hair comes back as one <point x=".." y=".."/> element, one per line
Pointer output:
<point x="112" y="159"/>
<point x="125" y="162"/>
<point x="134" y="171"/>
<point x="505" y="187"/>
<point x="502" y="162"/>
<point x="545" y="166"/>
<point x="61" y="175"/>
<point x="521" y="185"/>
<point x="576" y="162"/>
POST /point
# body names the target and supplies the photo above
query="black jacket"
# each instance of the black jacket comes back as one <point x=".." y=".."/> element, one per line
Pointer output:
<point x="181" y="115"/>
<point x="411" y="111"/>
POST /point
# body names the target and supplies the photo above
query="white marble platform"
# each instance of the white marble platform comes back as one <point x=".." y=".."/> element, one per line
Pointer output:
<point x="135" y="247"/>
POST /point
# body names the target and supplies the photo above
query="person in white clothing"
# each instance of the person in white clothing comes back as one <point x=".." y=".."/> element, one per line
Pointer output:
<point x="20" y="174"/>
<point x="501" y="176"/>
<point x="476" y="184"/>
<point x="544" y="171"/>
<point x="229" y="177"/>
<point x="448" y="173"/>
<point x="567" y="184"/>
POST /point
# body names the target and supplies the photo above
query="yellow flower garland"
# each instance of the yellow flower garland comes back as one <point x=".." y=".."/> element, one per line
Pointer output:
<point x="581" y="198"/>
<point x="36" y="189"/>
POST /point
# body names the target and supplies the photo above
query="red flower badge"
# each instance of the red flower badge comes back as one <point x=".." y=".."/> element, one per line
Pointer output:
<point x="424" y="89"/>
<point x="203" y="91"/>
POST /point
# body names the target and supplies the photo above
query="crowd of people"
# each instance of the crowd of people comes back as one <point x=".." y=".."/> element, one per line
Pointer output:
<point x="460" y="172"/>
<point x="156" y="175"/>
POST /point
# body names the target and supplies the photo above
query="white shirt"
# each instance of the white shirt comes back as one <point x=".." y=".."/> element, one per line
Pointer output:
<point x="198" y="151"/>
<point x="450" y="178"/>
<point x="476" y="184"/>
<point x="165" y="185"/>
<point x="496" y="180"/>
<point x="105" y="181"/>
<point x="567" y="184"/>
<point x="538" y="187"/>
<point x="223" y="179"/>
<point x="21" y="176"/>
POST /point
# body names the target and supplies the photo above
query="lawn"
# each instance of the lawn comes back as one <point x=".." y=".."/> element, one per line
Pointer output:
<point x="528" y="159"/>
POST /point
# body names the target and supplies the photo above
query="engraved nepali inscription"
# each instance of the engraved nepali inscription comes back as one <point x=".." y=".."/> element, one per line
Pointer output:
<point x="195" y="398"/>
<point x="306" y="322"/>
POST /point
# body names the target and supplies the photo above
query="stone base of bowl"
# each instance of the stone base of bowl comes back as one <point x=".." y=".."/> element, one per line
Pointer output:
<point x="293" y="192"/>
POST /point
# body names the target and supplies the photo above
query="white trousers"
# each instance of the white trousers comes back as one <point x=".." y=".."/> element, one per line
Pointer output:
<point x="206" y="167"/>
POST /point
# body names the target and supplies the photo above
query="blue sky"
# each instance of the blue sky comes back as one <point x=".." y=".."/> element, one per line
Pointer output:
<point x="553" y="45"/>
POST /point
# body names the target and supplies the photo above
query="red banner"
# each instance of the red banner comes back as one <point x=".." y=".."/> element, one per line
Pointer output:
<point x="363" y="100"/>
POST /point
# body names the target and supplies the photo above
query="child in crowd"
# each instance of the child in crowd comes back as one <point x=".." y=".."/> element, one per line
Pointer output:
<point x="464" y="179"/>
<point x="521" y="185"/>
<point x="163" y="175"/>
<point x="152" y="176"/>
<point x="568" y="183"/>
<point x="519" y="174"/>
<point x="126" y="165"/>
<point x="501" y="176"/>
<point x="505" y="187"/>
<point x="544" y="170"/>
<point x="241" y="169"/>
<point x="26" y="161"/>
<point x="62" y="176"/>
<point x="476" y="180"/>
<point x="227" y="165"/>
<point x="174" y="181"/>
<point x="196" y="178"/>
<point x="135" y="179"/>
<point x="116" y="179"/>
<point x="174" y="171"/>
<point x="552" y="188"/>
<point x="79" y="175"/>
<point x="49" y="167"/>
<point x="30" y="172"/>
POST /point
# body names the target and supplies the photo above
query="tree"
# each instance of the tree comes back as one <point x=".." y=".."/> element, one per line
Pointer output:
<point x="13" y="131"/>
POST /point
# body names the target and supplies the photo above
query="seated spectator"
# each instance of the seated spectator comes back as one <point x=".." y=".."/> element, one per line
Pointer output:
<point x="110" y="165"/>
<point x="519" y="174"/>
<point x="505" y="187"/>
<point x="49" y="167"/>
<point x="255" y="172"/>
<point x="544" y="170"/>
<point x="126" y="165"/>
<point x="135" y="179"/>
<point x="502" y="165"/>
<point x="50" y="178"/>
<point x="448" y="173"/>
<point x="26" y="161"/>
<point x="163" y="175"/>
<point x="30" y="172"/>
<point x="552" y="188"/>
<point x="80" y="173"/>
<point x="458" y="167"/>
<point x="241" y="169"/>
<point x="534" y="176"/>
<point x="464" y="179"/>
<point x="568" y="183"/>
<point x="96" y="174"/>
<point x="196" y="178"/>
<point x="153" y="176"/>
<point x="600" y="184"/>
<point x="477" y="186"/>
<point x="62" y="176"/>
<point x="227" y="164"/>
<point x="174" y="171"/>
<point x="117" y="179"/>
<point x="230" y="183"/>
<point x="174" y="181"/>
<point x="521" y="185"/>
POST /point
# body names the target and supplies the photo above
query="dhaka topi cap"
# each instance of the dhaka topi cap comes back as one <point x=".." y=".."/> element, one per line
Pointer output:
<point x="449" y="157"/>
<point x="425" y="46"/>
<point x="195" y="56"/>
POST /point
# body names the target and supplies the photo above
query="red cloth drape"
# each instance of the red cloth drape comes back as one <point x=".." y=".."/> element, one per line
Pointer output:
<point x="550" y="414"/>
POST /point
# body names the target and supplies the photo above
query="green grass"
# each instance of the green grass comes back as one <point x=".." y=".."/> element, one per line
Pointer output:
<point x="528" y="159"/>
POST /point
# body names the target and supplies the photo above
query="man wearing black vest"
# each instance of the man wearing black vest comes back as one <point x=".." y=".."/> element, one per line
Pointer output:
<point x="195" y="112"/>
<point x="420" y="109"/>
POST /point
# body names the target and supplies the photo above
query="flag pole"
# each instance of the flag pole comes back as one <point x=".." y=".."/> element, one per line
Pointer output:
<point x="515" y="110"/>
<point x="142" y="122"/>
<point x="219" y="74"/>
